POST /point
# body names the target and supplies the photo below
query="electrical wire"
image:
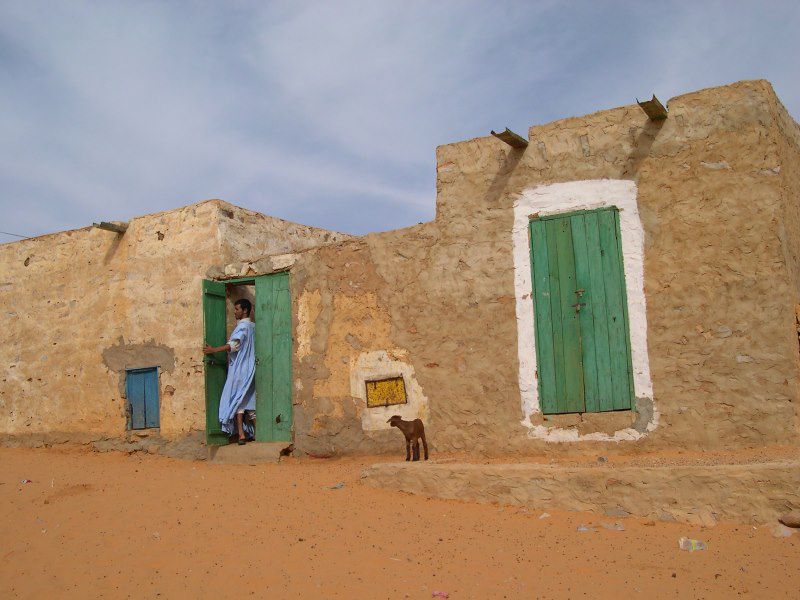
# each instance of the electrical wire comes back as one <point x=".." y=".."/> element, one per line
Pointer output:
<point x="15" y="234"/>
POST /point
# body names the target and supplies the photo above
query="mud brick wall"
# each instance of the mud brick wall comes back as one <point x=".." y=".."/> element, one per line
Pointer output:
<point x="717" y="196"/>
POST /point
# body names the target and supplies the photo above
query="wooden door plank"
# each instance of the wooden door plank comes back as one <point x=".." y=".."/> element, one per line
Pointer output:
<point x="583" y="295"/>
<point x="215" y="365"/>
<point x="540" y="277"/>
<point x="151" y="409"/>
<point x="129" y="399"/>
<point x="551" y="227"/>
<point x="282" y="360"/>
<point x="140" y="401"/>
<point x="263" y="347"/>
<point x="570" y="324"/>
<point x="617" y="335"/>
<point x="135" y="391"/>
<point x="605" y="392"/>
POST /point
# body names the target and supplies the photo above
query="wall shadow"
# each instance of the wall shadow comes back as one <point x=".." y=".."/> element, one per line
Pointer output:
<point x="504" y="173"/>
<point x="642" y="144"/>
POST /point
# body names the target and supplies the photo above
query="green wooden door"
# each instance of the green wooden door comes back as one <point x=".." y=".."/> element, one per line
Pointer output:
<point x="273" y="358"/>
<point x="580" y="307"/>
<point x="216" y="365"/>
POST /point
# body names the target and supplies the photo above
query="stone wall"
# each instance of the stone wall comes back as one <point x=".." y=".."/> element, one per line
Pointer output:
<point x="81" y="306"/>
<point x="787" y="137"/>
<point x="247" y="236"/>
<point x="717" y="187"/>
<point x="715" y="183"/>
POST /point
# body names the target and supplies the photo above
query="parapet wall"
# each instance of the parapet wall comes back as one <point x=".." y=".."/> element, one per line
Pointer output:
<point x="247" y="235"/>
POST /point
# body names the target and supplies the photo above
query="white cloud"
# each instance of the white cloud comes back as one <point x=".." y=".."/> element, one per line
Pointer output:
<point x="327" y="112"/>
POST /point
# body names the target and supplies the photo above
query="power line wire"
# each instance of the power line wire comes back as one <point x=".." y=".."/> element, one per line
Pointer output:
<point x="15" y="234"/>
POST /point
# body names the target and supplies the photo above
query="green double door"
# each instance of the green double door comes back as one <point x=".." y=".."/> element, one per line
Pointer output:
<point x="273" y="349"/>
<point x="582" y="335"/>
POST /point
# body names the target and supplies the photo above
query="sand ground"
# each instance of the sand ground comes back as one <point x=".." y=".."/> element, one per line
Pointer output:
<point x="113" y="525"/>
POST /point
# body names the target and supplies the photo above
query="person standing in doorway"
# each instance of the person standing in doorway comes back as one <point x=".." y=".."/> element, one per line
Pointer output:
<point x="239" y="393"/>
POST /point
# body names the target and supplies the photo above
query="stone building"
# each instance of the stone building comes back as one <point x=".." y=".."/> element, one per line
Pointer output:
<point x="619" y="284"/>
<point x="91" y="317"/>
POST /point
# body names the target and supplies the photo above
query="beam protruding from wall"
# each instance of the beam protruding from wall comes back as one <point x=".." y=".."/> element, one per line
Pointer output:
<point x="115" y="227"/>
<point x="653" y="108"/>
<point x="512" y="139"/>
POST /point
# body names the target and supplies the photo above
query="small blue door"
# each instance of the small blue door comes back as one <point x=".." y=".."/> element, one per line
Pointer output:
<point x="141" y="386"/>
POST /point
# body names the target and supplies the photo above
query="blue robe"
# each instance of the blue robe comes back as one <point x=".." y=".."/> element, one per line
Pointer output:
<point x="239" y="392"/>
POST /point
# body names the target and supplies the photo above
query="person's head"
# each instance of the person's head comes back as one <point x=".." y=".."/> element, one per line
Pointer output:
<point x="242" y="308"/>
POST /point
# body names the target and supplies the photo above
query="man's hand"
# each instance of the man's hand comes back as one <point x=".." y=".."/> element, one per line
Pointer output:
<point x="212" y="350"/>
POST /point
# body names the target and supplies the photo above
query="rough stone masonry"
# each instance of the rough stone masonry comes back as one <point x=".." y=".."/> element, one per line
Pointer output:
<point x="710" y="214"/>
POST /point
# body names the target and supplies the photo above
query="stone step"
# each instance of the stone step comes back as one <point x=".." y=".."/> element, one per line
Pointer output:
<point x="251" y="453"/>
<point x="699" y="494"/>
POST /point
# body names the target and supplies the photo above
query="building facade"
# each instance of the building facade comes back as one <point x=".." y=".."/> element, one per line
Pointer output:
<point x="620" y="283"/>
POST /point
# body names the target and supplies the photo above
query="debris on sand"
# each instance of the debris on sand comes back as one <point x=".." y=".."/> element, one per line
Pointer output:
<point x="691" y="545"/>
<point x="780" y="531"/>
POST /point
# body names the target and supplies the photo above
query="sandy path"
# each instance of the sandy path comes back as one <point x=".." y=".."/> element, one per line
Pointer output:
<point x="139" y="526"/>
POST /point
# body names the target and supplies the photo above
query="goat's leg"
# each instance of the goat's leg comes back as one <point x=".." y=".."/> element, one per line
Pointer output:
<point x="424" y="445"/>
<point x="408" y="449"/>
<point x="416" y="449"/>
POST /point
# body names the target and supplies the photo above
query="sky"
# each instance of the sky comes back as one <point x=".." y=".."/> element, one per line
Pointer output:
<point x="329" y="113"/>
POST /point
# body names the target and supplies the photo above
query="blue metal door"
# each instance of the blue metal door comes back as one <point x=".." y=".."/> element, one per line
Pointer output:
<point x="141" y="386"/>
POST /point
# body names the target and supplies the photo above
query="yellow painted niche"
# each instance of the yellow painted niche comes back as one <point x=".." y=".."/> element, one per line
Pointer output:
<point x="386" y="392"/>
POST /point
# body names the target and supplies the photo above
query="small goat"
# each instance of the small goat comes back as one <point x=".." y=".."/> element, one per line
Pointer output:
<point x="414" y="432"/>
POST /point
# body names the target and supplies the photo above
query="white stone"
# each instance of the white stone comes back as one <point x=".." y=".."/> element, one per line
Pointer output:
<point x="283" y="261"/>
<point x="715" y="165"/>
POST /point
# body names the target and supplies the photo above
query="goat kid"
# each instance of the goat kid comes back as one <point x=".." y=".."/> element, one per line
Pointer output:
<point x="414" y="431"/>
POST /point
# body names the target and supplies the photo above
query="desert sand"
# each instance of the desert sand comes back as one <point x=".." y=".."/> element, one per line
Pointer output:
<point x="113" y="525"/>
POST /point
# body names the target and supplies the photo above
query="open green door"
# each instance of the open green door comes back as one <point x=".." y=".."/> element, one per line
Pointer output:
<point x="273" y="358"/>
<point x="216" y="365"/>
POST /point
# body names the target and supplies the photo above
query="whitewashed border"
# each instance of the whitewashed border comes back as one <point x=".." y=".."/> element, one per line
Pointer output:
<point x="566" y="197"/>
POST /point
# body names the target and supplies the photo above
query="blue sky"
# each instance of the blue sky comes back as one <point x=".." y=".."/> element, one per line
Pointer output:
<point x="328" y="113"/>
